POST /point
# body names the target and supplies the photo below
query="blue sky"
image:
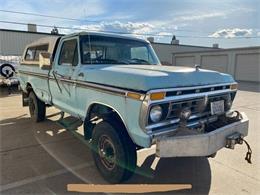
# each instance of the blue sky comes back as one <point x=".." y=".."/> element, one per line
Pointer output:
<point x="195" y="22"/>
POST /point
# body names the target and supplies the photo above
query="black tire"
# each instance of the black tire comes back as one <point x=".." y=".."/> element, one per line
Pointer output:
<point x="121" y="163"/>
<point x="10" y="72"/>
<point x="37" y="108"/>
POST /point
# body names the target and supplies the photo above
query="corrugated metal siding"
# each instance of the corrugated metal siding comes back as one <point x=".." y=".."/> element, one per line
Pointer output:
<point x="188" y="61"/>
<point x="248" y="67"/>
<point x="13" y="43"/>
<point x="215" y="62"/>
<point x="242" y="63"/>
<point x="165" y="51"/>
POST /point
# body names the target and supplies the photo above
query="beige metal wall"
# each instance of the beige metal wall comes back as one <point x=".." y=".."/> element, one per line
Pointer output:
<point x="242" y="63"/>
<point x="185" y="60"/>
<point x="12" y="43"/>
<point x="247" y="67"/>
<point x="164" y="51"/>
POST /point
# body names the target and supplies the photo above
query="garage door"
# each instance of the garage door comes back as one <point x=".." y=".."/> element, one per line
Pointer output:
<point x="248" y="67"/>
<point x="215" y="62"/>
<point x="185" y="61"/>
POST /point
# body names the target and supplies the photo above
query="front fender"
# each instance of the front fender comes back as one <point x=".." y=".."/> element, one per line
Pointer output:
<point x="127" y="109"/>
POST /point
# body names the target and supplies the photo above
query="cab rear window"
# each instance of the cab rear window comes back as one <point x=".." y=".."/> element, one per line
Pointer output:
<point x="32" y="53"/>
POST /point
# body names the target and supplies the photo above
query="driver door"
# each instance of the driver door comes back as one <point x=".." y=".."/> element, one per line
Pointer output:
<point x="62" y="85"/>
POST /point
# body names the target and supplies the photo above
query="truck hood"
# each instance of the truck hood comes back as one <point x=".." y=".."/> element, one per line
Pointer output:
<point x="147" y="77"/>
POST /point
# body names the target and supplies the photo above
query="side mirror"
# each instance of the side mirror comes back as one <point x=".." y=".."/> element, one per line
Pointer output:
<point x="45" y="60"/>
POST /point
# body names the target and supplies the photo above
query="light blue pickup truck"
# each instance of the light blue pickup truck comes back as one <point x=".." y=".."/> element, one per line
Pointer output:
<point x="128" y="101"/>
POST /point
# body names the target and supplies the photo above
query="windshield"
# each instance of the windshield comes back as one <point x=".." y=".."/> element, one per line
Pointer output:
<point x="97" y="49"/>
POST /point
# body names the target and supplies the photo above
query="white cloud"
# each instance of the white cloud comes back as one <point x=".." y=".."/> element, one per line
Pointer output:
<point x="199" y="15"/>
<point x="137" y="29"/>
<point x="117" y="26"/>
<point x="258" y="34"/>
<point x="160" y="29"/>
<point x="165" y="34"/>
<point x="231" y="33"/>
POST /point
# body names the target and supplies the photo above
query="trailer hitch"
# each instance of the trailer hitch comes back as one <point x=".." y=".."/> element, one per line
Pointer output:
<point x="238" y="138"/>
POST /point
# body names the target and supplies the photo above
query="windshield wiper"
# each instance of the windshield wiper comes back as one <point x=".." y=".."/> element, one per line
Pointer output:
<point x="138" y="60"/>
<point x="107" y="61"/>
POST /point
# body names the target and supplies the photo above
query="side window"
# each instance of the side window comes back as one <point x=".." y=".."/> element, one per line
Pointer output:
<point x="30" y="53"/>
<point x="139" y="53"/>
<point x="69" y="53"/>
<point x="40" y="48"/>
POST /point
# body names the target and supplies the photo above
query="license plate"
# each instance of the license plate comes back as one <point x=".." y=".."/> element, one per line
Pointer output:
<point x="217" y="107"/>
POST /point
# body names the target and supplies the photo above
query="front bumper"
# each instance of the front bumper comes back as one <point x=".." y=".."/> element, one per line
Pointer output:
<point x="200" y="144"/>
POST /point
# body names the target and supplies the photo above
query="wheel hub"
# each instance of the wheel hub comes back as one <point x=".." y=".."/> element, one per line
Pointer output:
<point x="106" y="152"/>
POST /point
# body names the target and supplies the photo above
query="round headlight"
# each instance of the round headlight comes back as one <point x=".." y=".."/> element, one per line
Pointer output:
<point x="156" y="114"/>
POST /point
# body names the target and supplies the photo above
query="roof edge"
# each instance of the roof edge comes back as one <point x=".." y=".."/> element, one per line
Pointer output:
<point x="220" y="50"/>
<point x="185" y="45"/>
<point x="23" y="31"/>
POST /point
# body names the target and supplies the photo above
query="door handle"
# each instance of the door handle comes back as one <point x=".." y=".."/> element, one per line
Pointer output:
<point x="81" y="74"/>
<point x="66" y="77"/>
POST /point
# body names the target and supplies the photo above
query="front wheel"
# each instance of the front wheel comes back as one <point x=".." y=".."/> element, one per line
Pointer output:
<point x="113" y="151"/>
<point x="37" y="108"/>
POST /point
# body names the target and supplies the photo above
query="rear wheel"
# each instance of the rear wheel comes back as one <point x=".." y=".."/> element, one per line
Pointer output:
<point x="113" y="151"/>
<point x="37" y="108"/>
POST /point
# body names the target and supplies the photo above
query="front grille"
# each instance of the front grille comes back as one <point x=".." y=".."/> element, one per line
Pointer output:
<point x="197" y="90"/>
<point x="175" y="108"/>
<point x="198" y="106"/>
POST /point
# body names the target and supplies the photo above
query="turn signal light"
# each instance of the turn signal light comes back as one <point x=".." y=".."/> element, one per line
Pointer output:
<point x="157" y="96"/>
<point x="233" y="86"/>
<point x="136" y="96"/>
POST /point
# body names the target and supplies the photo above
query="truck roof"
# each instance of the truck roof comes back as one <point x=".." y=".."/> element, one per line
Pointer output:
<point x="43" y="40"/>
<point x="51" y="41"/>
<point x="106" y="35"/>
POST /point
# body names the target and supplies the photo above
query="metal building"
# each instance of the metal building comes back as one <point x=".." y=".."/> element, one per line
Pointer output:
<point x="165" y="50"/>
<point x="13" y="42"/>
<point x="243" y="63"/>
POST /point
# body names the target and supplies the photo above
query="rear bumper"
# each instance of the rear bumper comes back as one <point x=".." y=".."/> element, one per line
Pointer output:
<point x="9" y="82"/>
<point x="201" y="144"/>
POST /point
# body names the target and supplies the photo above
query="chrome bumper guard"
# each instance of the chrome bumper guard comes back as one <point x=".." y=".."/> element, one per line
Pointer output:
<point x="201" y="144"/>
